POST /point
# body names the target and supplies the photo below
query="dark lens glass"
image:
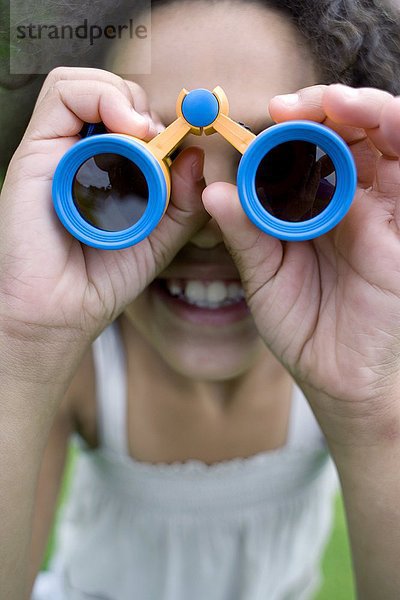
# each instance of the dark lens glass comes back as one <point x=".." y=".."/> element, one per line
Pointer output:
<point x="295" y="181"/>
<point x="110" y="192"/>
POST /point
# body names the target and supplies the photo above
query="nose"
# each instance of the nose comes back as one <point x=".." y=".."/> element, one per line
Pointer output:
<point x="209" y="236"/>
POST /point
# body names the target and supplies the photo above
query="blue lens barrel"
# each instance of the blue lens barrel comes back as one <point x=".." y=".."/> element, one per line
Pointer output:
<point x="200" y="108"/>
<point x="345" y="172"/>
<point x="67" y="210"/>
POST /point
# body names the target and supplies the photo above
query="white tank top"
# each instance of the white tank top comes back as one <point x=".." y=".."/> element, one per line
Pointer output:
<point x="241" y="529"/>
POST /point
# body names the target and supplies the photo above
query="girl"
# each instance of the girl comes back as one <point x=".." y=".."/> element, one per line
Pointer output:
<point x="203" y="472"/>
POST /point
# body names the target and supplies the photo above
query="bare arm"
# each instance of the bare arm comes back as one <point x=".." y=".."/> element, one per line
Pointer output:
<point x="25" y="428"/>
<point x="52" y="466"/>
<point x="32" y="460"/>
<point x="48" y="488"/>
<point x="371" y="489"/>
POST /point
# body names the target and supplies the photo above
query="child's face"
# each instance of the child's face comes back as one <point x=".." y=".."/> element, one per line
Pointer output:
<point x="253" y="54"/>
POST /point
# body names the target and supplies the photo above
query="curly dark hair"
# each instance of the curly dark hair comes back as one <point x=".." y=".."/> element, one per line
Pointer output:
<point x="357" y="42"/>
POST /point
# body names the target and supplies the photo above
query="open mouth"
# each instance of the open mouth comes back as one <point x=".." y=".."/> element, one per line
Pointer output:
<point x="208" y="301"/>
<point x="204" y="294"/>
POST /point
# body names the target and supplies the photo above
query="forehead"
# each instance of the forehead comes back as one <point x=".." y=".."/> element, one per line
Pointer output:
<point x="252" y="52"/>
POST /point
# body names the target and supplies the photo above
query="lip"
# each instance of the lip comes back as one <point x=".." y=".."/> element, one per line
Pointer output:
<point x="225" y="315"/>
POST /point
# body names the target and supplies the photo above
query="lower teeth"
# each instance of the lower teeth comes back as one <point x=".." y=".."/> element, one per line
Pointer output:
<point x="205" y="304"/>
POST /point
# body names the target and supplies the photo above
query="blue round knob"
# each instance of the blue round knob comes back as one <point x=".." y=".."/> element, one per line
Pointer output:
<point x="200" y="108"/>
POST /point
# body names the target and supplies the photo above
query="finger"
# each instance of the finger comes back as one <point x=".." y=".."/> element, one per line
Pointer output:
<point x="363" y="108"/>
<point x="68" y="104"/>
<point x="187" y="180"/>
<point x="134" y="93"/>
<point x="352" y="113"/>
<point x="377" y="112"/>
<point x="157" y="121"/>
<point x="256" y="254"/>
<point x="185" y="214"/>
<point x="310" y="103"/>
<point x="141" y="104"/>
<point x="390" y="124"/>
<point x="139" y="97"/>
<point x="304" y="104"/>
<point x="83" y="74"/>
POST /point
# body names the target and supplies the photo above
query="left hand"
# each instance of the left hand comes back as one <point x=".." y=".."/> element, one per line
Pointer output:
<point x="329" y="308"/>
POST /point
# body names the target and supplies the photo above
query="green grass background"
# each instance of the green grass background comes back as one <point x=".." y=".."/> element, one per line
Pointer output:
<point x="336" y="564"/>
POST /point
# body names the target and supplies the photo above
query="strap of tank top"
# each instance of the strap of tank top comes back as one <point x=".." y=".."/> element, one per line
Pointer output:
<point x="111" y="390"/>
<point x="303" y="430"/>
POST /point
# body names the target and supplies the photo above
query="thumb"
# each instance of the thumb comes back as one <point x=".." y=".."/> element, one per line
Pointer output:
<point x="187" y="181"/>
<point x="185" y="213"/>
<point x="256" y="254"/>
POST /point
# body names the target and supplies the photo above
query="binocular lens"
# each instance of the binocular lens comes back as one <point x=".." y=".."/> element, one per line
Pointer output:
<point x="295" y="181"/>
<point x="110" y="192"/>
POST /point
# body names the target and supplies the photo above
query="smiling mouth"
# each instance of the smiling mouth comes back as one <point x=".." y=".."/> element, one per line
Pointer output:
<point x="210" y="294"/>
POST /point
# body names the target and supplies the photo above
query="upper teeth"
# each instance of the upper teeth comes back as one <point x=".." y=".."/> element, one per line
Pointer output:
<point x="206" y="294"/>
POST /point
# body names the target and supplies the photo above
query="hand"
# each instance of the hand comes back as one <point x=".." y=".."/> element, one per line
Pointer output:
<point x="50" y="283"/>
<point x="329" y="308"/>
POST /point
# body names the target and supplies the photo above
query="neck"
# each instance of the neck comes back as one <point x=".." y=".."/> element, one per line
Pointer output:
<point x="261" y="383"/>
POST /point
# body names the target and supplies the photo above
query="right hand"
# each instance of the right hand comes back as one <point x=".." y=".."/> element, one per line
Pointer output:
<point x="51" y="284"/>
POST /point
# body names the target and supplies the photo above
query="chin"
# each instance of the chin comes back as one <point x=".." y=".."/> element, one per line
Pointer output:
<point x="205" y="363"/>
<point x="200" y="351"/>
<point x="207" y="353"/>
<point x="214" y="342"/>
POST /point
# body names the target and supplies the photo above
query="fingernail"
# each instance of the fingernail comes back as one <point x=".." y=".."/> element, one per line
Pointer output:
<point x="140" y="119"/>
<point x="289" y="99"/>
<point x="153" y="126"/>
<point x="198" y="168"/>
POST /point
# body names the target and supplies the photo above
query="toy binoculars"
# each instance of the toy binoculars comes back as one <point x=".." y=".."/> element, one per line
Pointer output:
<point x="296" y="180"/>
